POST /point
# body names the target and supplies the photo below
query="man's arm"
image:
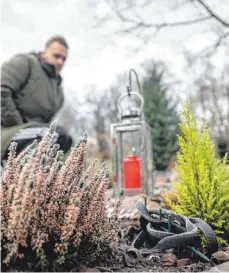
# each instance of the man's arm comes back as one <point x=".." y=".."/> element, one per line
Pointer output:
<point x="14" y="73"/>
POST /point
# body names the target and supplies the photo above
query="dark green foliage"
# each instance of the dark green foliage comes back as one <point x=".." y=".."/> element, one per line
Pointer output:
<point x="223" y="146"/>
<point x="160" y="114"/>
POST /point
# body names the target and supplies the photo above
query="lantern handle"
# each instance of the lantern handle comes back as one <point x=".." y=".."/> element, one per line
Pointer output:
<point x="130" y="94"/>
<point x="129" y="88"/>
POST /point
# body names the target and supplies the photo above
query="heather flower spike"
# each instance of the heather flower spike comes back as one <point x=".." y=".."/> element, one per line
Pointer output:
<point x="54" y="150"/>
<point x="78" y="142"/>
<point x="33" y="152"/>
<point x="13" y="146"/>
<point x="59" y="166"/>
<point x="56" y="147"/>
<point x="85" y="137"/>
<point x="107" y="172"/>
<point x="60" y="156"/>
<point x="52" y="128"/>
<point x="34" y="144"/>
<point x="24" y="159"/>
<point x="104" y="165"/>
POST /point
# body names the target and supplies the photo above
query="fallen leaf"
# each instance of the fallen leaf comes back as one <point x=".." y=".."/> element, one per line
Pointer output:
<point x="226" y="249"/>
<point x="220" y="256"/>
<point x="183" y="262"/>
<point x="155" y="257"/>
<point x="129" y="261"/>
<point x="169" y="259"/>
<point x="135" y="253"/>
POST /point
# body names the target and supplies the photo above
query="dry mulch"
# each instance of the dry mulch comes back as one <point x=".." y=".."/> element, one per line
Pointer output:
<point x="127" y="259"/>
<point x="170" y="260"/>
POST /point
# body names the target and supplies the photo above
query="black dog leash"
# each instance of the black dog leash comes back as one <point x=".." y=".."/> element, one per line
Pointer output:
<point x="164" y="229"/>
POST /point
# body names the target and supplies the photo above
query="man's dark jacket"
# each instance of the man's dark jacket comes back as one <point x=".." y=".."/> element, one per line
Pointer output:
<point x="30" y="93"/>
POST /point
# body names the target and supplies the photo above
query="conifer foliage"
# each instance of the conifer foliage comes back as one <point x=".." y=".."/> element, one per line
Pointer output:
<point x="160" y="114"/>
<point x="202" y="186"/>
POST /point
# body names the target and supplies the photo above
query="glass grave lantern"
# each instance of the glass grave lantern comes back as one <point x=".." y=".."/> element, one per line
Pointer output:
<point x="132" y="162"/>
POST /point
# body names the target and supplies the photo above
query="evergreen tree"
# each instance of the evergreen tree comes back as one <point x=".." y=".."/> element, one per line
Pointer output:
<point x="202" y="184"/>
<point x="160" y="114"/>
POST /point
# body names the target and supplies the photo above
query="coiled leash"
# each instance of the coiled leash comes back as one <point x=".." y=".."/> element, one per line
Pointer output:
<point x="164" y="229"/>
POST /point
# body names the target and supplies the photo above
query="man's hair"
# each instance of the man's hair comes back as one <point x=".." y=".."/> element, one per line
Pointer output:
<point x="57" y="38"/>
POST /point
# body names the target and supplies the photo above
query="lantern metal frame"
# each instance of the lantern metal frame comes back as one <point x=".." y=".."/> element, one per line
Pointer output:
<point x="132" y="121"/>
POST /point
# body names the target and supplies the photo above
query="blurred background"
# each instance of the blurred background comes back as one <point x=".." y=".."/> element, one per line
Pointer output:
<point x="179" y="48"/>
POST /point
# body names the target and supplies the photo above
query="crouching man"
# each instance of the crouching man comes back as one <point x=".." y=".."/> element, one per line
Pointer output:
<point x="31" y="94"/>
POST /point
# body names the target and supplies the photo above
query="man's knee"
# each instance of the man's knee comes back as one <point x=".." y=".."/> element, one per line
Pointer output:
<point x="60" y="136"/>
<point x="27" y="135"/>
<point x="64" y="139"/>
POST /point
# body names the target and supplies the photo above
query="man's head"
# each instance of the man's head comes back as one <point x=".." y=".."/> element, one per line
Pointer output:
<point x="56" y="51"/>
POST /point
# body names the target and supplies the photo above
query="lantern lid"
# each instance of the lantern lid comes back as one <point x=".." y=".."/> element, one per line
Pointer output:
<point x="130" y="105"/>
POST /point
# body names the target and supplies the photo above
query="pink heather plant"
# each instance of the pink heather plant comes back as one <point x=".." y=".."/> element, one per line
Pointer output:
<point x="52" y="210"/>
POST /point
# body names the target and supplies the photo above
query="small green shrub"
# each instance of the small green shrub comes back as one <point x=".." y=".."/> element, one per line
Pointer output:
<point x="202" y="186"/>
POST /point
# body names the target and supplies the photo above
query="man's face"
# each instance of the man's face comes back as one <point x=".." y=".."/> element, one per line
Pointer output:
<point x="55" y="54"/>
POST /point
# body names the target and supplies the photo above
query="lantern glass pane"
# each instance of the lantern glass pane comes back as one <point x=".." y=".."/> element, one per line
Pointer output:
<point x="132" y="138"/>
<point x="131" y="142"/>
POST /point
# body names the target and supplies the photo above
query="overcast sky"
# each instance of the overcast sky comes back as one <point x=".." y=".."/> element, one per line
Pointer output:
<point x="95" y="58"/>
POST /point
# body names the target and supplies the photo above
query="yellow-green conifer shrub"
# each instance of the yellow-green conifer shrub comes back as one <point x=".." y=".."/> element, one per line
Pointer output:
<point x="202" y="186"/>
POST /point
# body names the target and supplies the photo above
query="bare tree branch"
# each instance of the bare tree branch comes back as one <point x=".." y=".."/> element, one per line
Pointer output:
<point x="127" y="12"/>
<point x="158" y="27"/>
<point x="221" y="39"/>
<point x="211" y="99"/>
<point x="212" y="14"/>
<point x="141" y="24"/>
<point x="207" y="51"/>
